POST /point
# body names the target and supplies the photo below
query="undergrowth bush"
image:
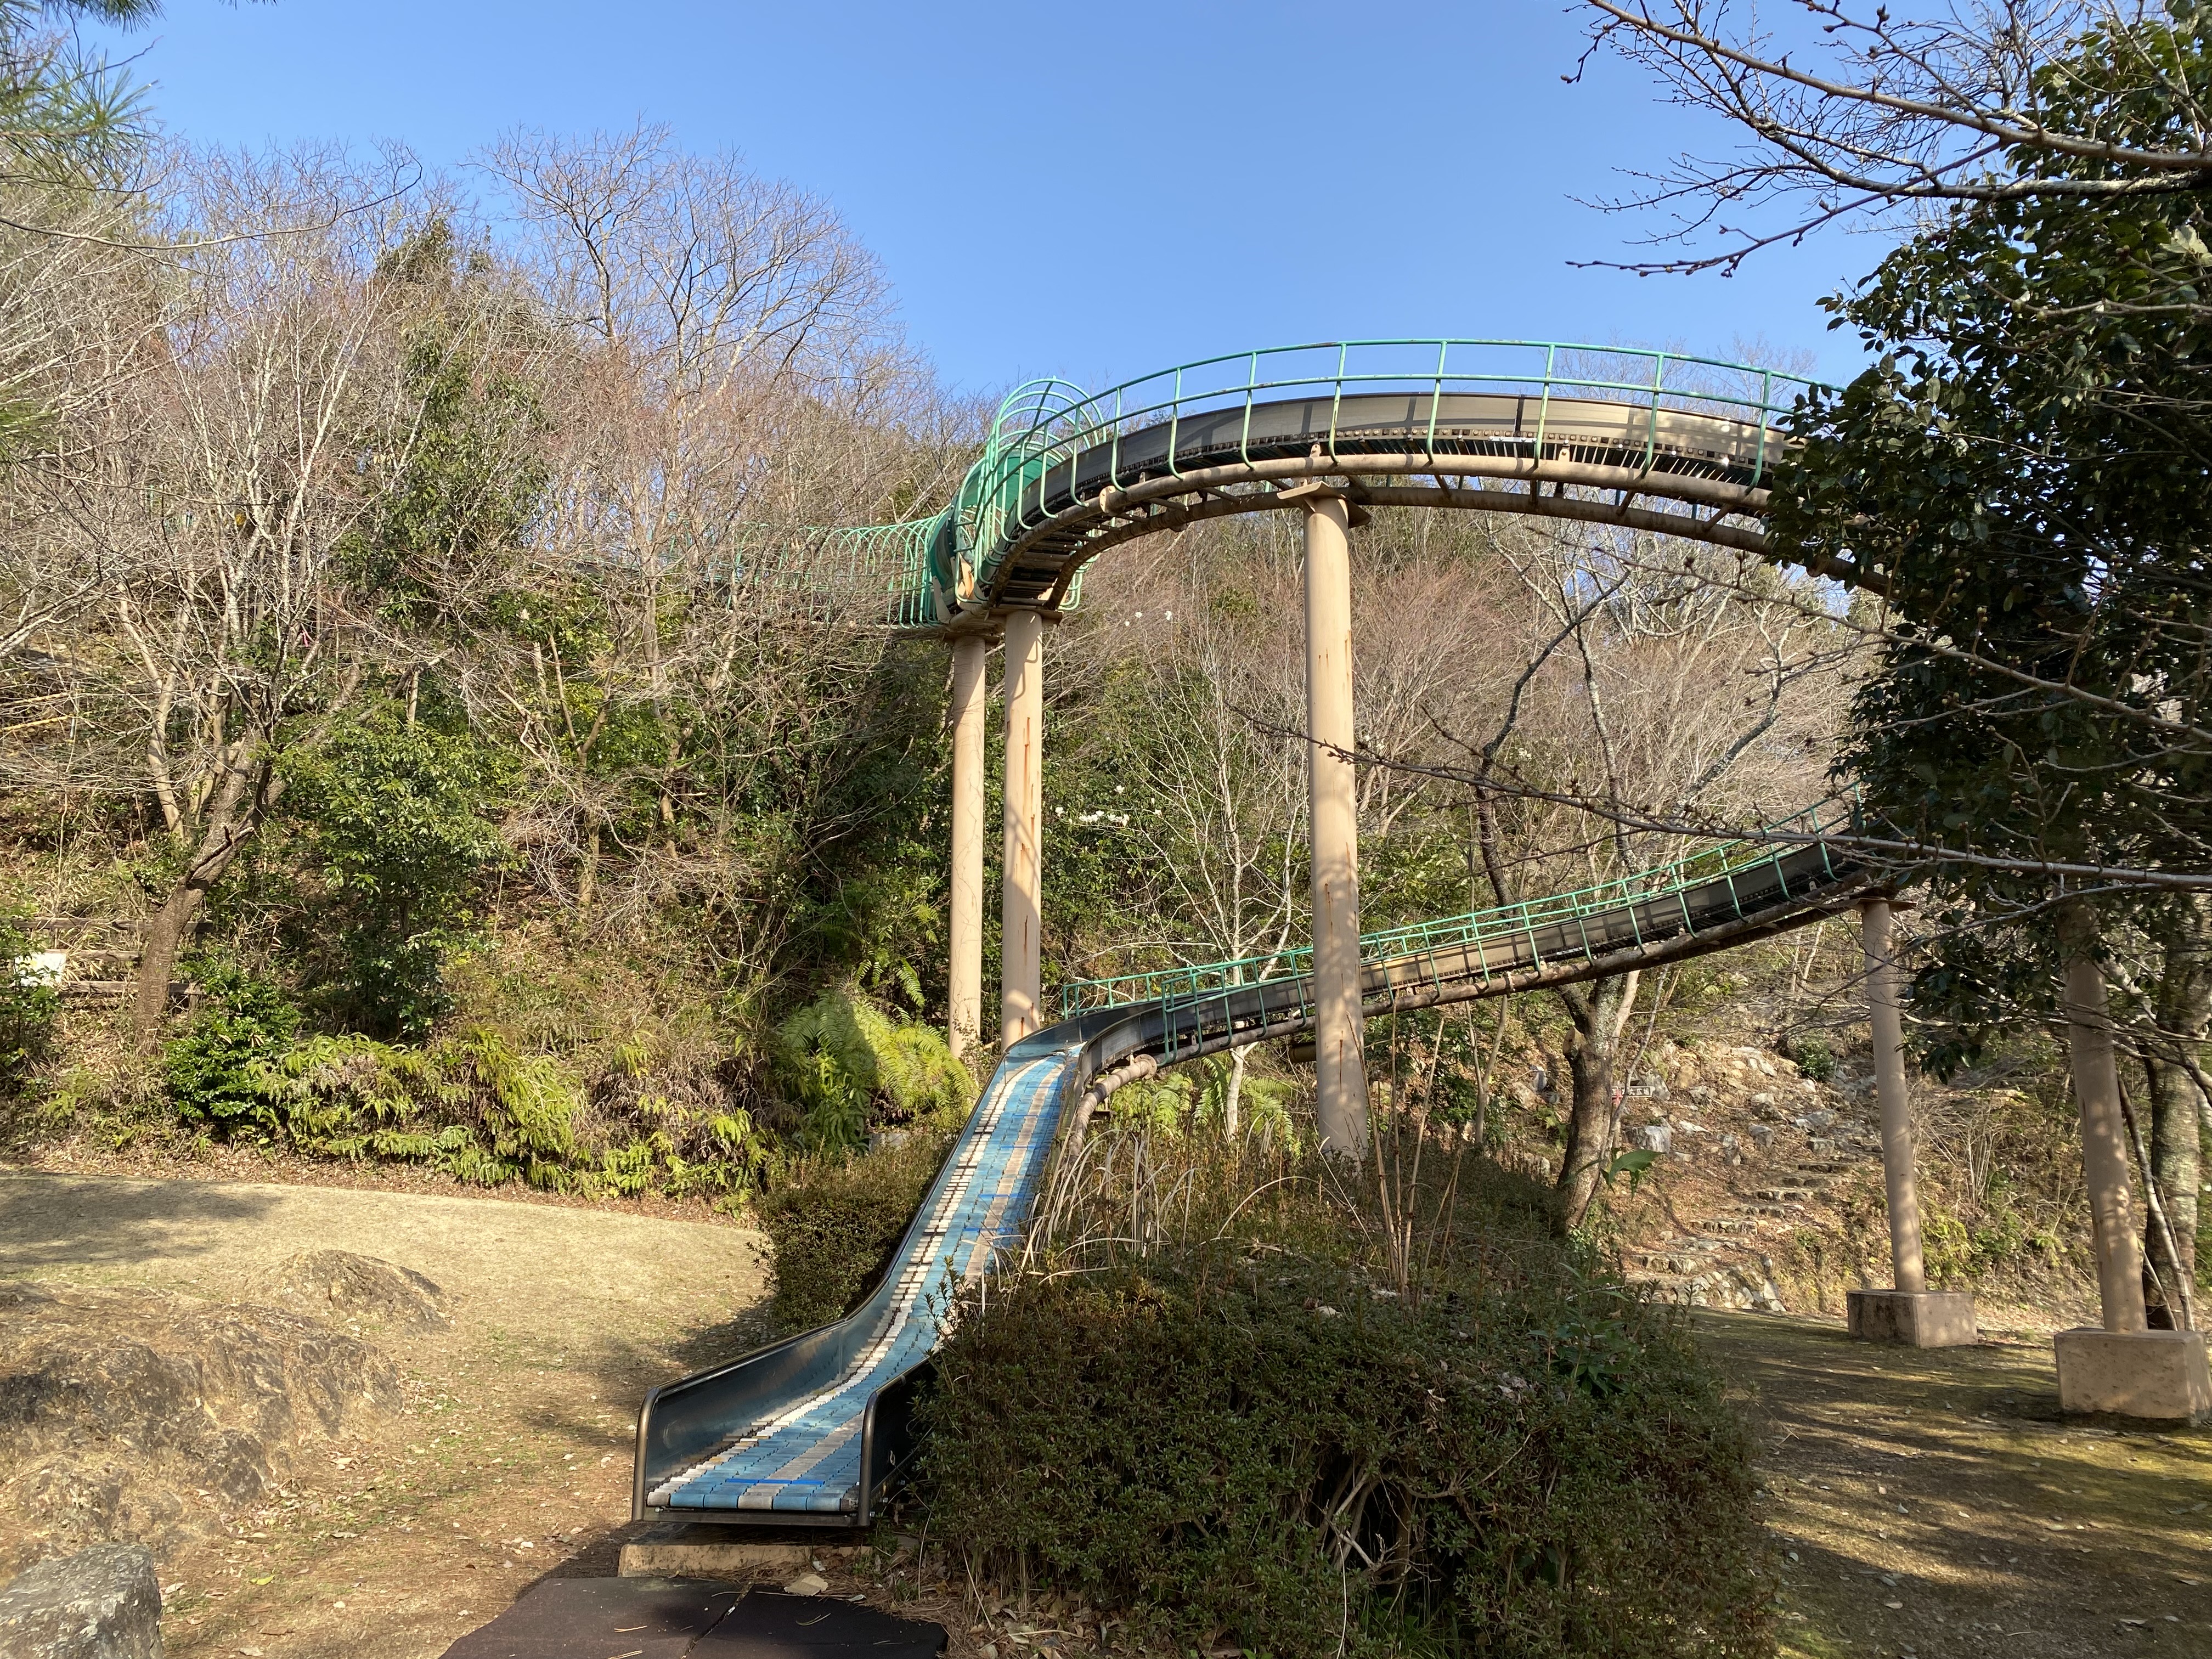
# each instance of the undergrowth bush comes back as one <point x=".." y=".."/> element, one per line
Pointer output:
<point x="850" y="1065"/>
<point x="836" y="1222"/>
<point x="209" y="1067"/>
<point x="1815" y="1059"/>
<point x="469" y="1103"/>
<point x="28" y="1009"/>
<point x="1253" y="1434"/>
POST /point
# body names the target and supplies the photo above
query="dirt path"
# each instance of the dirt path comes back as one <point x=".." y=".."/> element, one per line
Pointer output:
<point x="1937" y="1504"/>
<point x="513" y="1453"/>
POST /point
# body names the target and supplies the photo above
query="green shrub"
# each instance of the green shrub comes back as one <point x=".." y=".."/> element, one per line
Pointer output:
<point x="835" y="1226"/>
<point x="1229" y="1445"/>
<point x="470" y="1104"/>
<point x="211" y="1066"/>
<point x="1815" y="1059"/>
<point x="393" y="812"/>
<point x="848" y="1063"/>
<point x="29" y="1008"/>
<point x="1197" y="1097"/>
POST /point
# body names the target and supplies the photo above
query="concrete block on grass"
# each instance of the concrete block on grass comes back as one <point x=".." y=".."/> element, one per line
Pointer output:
<point x="680" y="1551"/>
<point x="2157" y="1375"/>
<point x="1913" y="1319"/>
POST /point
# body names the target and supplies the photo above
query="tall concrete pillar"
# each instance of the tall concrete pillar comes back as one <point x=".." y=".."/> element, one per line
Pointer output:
<point x="964" y="1021"/>
<point x="2104" y="1131"/>
<point x="1021" y="958"/>
<point x="1910" y="1313"/>
<point x="1340" y="1034"/>
<point x="2124" y="1369"/>
<point x="1906" y="1260"/>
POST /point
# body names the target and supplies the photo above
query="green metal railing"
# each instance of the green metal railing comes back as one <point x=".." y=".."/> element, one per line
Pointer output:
<point x="1047" y="424"/>
<point x="925" y="570"/>
<point x="1725" y="862"/>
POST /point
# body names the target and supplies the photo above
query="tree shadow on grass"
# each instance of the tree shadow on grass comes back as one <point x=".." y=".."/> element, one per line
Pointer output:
<point x="49" y="1223"/>
<point x="1939" y="1499"/>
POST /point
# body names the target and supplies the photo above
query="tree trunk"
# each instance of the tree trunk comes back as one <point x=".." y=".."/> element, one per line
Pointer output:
<point x="2174" y="1164"/>
<point x="2180" y="1110"/>
<point x="234" y="811"/>
<point x="1599" y="1012"/>
<point x="587" y="873"/>
<point x="1238" y="1060"/>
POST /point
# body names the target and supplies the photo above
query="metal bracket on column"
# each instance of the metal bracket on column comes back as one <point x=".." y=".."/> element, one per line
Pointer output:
<point x="1314" y="490"/>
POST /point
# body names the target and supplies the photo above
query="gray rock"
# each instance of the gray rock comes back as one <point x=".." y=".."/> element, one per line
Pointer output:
<point x="100" y="1603"/>
<point x="1656" y="1138"/>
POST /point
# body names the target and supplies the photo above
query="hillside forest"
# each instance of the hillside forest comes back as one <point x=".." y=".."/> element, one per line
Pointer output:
<point x="418" y="754"/>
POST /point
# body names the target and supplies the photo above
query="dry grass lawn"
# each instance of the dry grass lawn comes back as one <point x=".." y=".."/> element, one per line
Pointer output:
<point x="1929" y="1505"/>
<point x="1937" y="1504"/>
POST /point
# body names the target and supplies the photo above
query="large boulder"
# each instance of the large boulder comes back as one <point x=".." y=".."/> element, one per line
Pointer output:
<point x="341" y="1285"/>
<point x="100" y="1603"/>
<point x="145" y="1416"/>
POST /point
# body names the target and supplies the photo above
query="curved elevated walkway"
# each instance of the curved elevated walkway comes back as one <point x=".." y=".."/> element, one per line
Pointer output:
<point x="1057" y="512"/>
<point x="813" y="1429"/>
<point x="1649" y="441"/>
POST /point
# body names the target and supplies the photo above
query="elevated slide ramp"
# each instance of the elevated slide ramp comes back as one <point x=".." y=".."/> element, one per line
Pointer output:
<point x="814" y="1429"/>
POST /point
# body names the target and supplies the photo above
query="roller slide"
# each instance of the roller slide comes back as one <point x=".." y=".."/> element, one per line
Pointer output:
<point x="814" y="1429"/>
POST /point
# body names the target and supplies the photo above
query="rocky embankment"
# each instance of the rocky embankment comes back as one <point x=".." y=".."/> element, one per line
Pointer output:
<point x="153" y="1417"/>
<point x="1752" y="1152"/>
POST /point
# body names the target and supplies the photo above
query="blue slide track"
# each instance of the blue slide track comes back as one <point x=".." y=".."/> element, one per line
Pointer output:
<point x="808" y="1455"/>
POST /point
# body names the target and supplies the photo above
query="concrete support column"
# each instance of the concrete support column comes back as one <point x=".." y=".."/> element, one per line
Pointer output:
<point x="1911" y="1313"/>
<point x="2104" y="1132"/>
<point x="965" y="1020"/>
<point x="1340" y="1033"/>
<point x="1906" y="1260"/>
<point x="1021" y="958"/>
<point x="2124" y="1369"/>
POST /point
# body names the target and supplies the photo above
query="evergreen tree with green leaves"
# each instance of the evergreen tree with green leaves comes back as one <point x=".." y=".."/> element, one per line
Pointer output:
<point x="2027" y="470"/>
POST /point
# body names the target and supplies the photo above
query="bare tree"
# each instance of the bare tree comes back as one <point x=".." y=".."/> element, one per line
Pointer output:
<point x="208" y="490"/>
<point x="1643" y="684"/>
<point x="728" y="374"/>
<point x="1194" y="651"/>
<point x="1848" y="110"/>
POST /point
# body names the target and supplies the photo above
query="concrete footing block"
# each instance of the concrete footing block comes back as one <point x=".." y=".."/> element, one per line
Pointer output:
<point x="678" y="1551"/>
<point x="1914" y="1319"/>
<point x="2159" y="1376"/>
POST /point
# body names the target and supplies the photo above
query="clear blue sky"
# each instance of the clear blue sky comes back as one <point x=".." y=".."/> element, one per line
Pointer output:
<point x="1094" y="191"/>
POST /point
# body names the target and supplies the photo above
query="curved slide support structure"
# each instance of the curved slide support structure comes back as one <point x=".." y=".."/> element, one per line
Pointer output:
<point x="812" y="1429"/>
<point x="1651" y="440"/>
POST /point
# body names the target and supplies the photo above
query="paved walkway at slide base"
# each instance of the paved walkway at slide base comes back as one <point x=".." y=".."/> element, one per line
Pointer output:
<point x="665" y="1619"/>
